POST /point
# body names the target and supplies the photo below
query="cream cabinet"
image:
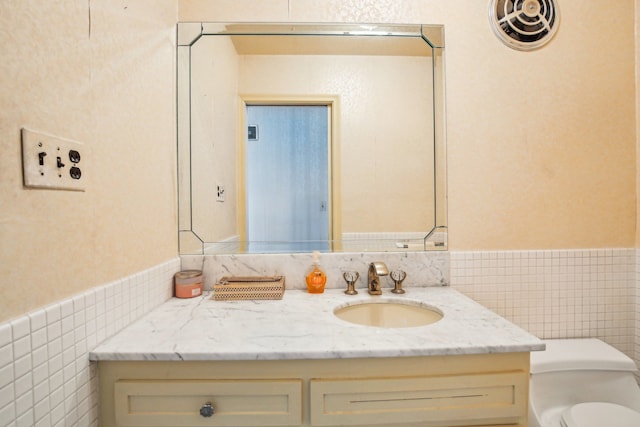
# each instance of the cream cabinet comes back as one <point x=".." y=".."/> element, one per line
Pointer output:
<point x="466" y="390"/>
<point x="226" y="403"/>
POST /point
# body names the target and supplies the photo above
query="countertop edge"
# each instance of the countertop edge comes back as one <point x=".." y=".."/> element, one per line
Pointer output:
<point x="217" y="357"/>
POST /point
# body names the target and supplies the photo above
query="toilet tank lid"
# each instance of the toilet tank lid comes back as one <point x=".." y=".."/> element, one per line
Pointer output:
<point x="579" y="354"/>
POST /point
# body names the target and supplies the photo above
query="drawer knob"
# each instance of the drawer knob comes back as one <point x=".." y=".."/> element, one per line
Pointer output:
<point x="206" y="410"/>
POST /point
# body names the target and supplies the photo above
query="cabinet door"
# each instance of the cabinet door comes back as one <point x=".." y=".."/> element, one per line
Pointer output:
<point x="235" y="402"/>
<point x="482" y="399"/>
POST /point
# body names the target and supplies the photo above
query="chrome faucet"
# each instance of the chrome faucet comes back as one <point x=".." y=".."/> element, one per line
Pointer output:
<point x="376" y="269"/>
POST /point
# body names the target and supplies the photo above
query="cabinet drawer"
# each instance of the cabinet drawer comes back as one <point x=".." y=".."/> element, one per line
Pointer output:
<point x="235" y="402"/>
<point x="499" y="398"/>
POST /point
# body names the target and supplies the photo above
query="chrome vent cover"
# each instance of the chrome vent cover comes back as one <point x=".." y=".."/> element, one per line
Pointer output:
<point x="524" y="24"/>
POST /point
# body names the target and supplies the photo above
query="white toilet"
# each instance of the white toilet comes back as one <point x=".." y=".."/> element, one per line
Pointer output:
<point x="582" y="383"/>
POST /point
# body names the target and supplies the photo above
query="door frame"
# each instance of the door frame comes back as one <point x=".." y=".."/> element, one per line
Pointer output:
<point x="332" y="104"/>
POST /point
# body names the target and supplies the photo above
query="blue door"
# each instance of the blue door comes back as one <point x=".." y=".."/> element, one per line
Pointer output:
<point x="287" y="178"/>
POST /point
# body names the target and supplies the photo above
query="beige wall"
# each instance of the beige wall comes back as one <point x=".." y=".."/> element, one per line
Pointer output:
<point x="369" y="130"/>
<point x="541" y="145"/>
<point x="102" y="73"/>
<point x="637" y="58"/>
<point x="214" y="119"/>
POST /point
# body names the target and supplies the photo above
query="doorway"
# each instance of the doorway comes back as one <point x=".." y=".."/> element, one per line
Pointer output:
<point x="287" y="178"/>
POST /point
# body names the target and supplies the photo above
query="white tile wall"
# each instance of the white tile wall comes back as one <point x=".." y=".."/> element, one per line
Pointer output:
<point x="354" y="242"/>
<point x="45" y="375"/>
<point x="47" y="380"/>
<point x="557" y="293"/>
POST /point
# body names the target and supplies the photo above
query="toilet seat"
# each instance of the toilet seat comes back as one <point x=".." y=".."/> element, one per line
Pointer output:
<point x="598" y="414"/>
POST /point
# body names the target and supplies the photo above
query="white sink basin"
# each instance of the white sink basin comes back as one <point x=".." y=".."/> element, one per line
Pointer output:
<point x="389" y="314"/>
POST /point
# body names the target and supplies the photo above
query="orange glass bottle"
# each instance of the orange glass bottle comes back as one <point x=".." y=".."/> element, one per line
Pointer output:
<point x="316" y="278"/>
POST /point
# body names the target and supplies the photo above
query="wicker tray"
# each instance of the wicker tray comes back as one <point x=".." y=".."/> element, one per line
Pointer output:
<point x="248" y="288"/>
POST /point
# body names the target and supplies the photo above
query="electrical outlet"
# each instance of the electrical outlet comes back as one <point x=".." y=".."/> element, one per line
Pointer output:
<point x="220" y="192"/>
<point x="52" y="162"/>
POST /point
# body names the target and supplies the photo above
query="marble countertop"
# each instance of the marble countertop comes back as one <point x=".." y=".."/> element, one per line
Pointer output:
<point x="303" y="326"/>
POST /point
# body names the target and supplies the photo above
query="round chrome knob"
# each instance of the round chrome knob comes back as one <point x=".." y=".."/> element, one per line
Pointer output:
<point x="207" y="410"/>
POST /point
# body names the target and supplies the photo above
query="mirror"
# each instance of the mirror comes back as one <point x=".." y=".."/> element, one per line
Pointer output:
<point x="375" y="97"/>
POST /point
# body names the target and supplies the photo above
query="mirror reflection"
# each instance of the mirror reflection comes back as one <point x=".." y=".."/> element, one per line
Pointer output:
<point x="301" y="138"/>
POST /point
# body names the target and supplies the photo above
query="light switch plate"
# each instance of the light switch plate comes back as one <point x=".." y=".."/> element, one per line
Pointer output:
<point x="219" y="192"/>
<point x="52" y="162"/>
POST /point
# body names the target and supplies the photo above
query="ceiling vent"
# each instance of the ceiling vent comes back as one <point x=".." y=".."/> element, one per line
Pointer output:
<point x="524" y="24"/>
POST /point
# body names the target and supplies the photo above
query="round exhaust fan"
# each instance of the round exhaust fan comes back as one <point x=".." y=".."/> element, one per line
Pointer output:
<point x="524" y="24"/>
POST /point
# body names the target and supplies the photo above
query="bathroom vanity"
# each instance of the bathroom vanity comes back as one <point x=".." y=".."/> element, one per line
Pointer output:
<point x="293" y="362"/>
